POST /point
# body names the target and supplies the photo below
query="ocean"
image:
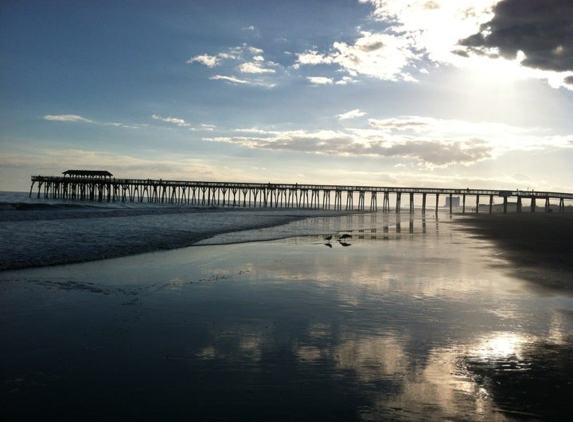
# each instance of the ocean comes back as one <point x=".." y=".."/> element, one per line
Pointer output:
<point x="41" y="232"/>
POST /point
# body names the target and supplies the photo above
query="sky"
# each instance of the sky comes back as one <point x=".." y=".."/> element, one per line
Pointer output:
<point x="439" y="93"/>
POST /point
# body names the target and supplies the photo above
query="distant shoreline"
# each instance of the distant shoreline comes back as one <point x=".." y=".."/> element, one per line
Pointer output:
<point x="538" y="245"/>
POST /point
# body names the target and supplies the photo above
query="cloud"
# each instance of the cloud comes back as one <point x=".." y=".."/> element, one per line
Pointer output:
<point x="312" y="58"/>
<point x="433" y="27"/>
<point x="123" y="125"/>
<point x="230" y="79"/>
<point x="427" y="141"/>
<point x="408" y="39"/>
<point x="172" y="120"/>
<point x="428" y="152"/>
<point x="320" y="80"/>
<point x="436" y="153"/>
<point x="418" y="34"/>
<point x="74" y="118"/>
<point x="205" y="59"/>
<point x="351" y="114"/>
<point x="541" y="29"/>
<point x="401" y="123"/>
<point x="255" y="68"/>
<point x="237" y="81"/>
<point x="248" y="60"/>
<point x="67" y="118"/>
<point x="256" y="130"/>
<point x="379" y="55"/>
<point x="242" y="52"/>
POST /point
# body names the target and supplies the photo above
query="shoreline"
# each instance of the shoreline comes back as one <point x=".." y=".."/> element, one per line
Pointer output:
<point x="539" y="246"/>
<point x="77" y="237"/>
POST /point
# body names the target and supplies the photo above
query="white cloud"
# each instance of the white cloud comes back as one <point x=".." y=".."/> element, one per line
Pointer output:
<point x="377" y="55"/>
<point x="123" y="125"/>
<point x="205" y="59"/>
<point x="237" y="81"/>
<point x="313" y="58"/>
<point x="445" y="31"/>
<point x="320" y="80"/>
<point x="416" y="34"/>
<point x="67" y="118"/>
<point x="255" y="68"/>
<point x="351" y="114"/>
<point x="345" y="80"/>
<point x="250" y="62"/>
<point x="256" y="130"/>
<point x="172" y="120"/>
<point x="74" y="118"/>
<point x="380" y="55"/>
<point x="432" y="153"/>
<point x="434" y="26"/>
<point x="231" y="79"/>
<point x="427" y="141"/>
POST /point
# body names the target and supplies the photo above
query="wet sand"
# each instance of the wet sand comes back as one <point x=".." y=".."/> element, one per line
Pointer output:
<point x="539" y="246"/>
<point x="422" y="323"/>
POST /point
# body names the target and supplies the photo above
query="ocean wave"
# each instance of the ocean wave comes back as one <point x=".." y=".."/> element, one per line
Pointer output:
<point x="42" y="234"/>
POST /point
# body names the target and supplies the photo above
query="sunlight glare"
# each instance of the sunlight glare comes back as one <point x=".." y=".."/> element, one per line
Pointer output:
<point x="499" y="346"/>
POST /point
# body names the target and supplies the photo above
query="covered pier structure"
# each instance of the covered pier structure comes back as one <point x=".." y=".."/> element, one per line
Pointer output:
<point x="101" y="186"/>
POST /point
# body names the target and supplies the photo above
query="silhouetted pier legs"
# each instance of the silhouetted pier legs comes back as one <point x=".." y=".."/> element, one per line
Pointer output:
<point x="228" y="194"/>
<point x="533" y="204"/>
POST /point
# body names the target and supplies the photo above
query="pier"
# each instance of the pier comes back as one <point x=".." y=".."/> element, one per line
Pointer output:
<point x="101" y="186"/>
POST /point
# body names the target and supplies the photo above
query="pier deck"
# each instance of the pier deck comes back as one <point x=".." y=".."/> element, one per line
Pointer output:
<point x="104" y="188"/>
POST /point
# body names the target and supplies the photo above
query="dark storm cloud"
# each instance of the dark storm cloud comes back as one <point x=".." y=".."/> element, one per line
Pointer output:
<point x="541" y="29"/>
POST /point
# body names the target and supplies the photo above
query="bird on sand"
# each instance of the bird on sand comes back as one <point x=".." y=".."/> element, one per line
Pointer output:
<point x="327" y="237"/>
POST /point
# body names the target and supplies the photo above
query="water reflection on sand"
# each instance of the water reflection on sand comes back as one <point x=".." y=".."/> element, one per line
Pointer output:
<point x="411" y="323"/>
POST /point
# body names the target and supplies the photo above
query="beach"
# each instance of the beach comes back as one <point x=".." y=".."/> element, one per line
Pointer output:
<point x="405" y="320"/>
<point x="538" y="245"/>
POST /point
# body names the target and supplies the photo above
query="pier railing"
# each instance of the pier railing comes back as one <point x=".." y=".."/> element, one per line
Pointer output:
<point x="285" y="195"/>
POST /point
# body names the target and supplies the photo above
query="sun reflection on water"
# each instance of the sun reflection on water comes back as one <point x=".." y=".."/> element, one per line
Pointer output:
<point x="502" y="345"/>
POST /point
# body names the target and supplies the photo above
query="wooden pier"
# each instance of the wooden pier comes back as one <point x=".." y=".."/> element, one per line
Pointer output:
<point x="101" y="186"/>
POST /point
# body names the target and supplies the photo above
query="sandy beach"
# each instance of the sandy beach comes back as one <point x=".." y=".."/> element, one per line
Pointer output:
<point x="538" y="245"/>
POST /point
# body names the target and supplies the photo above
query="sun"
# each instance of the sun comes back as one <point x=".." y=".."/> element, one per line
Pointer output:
<point x="499" y="71"/>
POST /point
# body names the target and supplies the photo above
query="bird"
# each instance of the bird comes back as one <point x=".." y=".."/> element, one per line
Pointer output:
<point x="345" y="236"/>
<point x="327" y="237"/>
